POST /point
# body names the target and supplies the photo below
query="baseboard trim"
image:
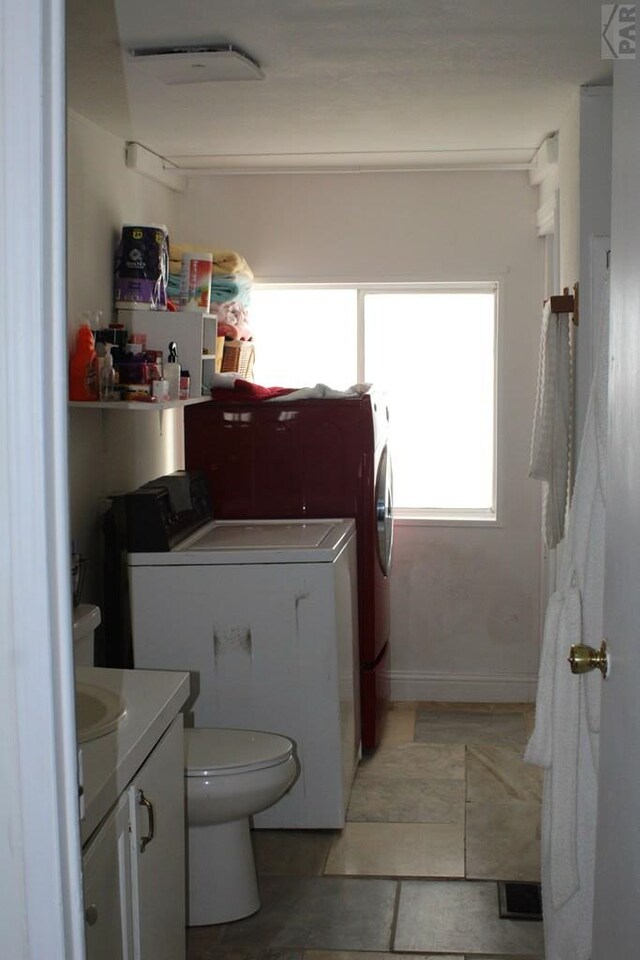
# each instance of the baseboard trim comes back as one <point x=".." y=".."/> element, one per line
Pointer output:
<point x="463" y="688"/>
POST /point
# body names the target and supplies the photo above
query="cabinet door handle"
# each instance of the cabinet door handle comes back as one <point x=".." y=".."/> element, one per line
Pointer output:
<point x="145" y="802"/>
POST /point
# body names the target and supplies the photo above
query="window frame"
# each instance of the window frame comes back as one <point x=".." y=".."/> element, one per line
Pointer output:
<point x="436" y="517"/>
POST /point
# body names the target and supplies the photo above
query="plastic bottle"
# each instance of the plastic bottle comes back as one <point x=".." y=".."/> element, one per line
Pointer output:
<point x="172" y="371"/>
<point x="101" y="352"/>
<point x="108" y="376"/>
<point x="83" y="381"/>
<point x="97" y="323"/>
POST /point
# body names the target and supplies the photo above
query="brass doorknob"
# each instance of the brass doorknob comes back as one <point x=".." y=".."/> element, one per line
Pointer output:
<point x="582" y="659"/>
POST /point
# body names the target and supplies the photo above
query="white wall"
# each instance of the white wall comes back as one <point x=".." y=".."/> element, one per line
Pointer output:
<point x="110" y="452"/>
<point x="569" y="164"/>
<point x="465" y="602"/>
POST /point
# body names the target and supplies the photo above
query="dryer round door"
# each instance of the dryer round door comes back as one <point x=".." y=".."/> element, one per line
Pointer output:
<point x="384" y="511"/>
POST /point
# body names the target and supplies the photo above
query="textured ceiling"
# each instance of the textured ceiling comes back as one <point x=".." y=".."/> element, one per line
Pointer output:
<point x="352" y="82"/>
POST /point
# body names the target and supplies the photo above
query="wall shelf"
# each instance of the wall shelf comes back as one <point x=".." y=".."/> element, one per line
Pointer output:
<point x="196" y="337"/>
<point x="150" y="406"/>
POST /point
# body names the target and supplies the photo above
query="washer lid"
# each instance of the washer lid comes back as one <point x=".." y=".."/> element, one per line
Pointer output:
<point x="255" y="541"/>
<point x="210" y="751"/>
<point x="256" y="535"/>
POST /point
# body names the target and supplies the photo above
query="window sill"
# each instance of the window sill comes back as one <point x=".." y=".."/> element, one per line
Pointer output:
<point x="445" y="518"/>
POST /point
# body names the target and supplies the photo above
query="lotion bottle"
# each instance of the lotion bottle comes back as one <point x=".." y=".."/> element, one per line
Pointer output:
<point x="172" y="372"/>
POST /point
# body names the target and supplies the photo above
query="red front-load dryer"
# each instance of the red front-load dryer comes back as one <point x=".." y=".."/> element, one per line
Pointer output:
<point x="311" y="458"/>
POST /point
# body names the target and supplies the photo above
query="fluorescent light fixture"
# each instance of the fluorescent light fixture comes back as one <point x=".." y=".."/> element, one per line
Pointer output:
<point x="196" y="64"/>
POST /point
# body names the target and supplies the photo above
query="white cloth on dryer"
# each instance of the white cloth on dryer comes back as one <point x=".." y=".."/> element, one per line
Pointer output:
<point x="322" y="392"/>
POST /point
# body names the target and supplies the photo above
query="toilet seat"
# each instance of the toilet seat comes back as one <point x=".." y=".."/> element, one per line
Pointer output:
<point x="219" y="751"/>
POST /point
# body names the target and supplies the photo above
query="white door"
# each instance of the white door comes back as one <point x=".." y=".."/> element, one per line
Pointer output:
<point x="617" y="887"/>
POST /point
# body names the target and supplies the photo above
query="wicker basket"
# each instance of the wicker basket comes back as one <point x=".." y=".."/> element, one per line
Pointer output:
<point x="219" y="354"/>
<point x="238" y="357"/>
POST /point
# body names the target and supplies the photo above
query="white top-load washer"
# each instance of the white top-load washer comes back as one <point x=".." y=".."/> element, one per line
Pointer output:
<point x="264" y="616"/>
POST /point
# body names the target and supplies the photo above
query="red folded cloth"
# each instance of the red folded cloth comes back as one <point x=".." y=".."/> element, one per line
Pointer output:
<point x="245" y="390"/>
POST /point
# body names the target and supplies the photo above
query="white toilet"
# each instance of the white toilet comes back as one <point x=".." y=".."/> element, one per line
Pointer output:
<point x="86" y="619"/>
<point x="230" y="775"/>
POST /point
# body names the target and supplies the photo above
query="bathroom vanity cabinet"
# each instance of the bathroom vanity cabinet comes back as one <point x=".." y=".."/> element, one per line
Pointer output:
<point x="134" y="858"/>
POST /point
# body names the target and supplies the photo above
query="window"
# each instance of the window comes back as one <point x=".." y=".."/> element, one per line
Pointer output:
<point x="431" y="348"/>
<point x="305" y="336"/>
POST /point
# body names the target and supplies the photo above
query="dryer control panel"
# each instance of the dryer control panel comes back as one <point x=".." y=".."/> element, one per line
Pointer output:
<point x="164" y="511"/>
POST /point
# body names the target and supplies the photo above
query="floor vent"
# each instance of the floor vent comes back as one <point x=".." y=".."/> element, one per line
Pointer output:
<point x="519" y="901"/>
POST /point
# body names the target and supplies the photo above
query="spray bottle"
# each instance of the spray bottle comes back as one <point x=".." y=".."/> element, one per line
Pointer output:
<point x="172" y="371"/>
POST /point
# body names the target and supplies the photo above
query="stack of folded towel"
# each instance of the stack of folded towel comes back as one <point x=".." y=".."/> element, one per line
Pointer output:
<point x="231" y="283"/>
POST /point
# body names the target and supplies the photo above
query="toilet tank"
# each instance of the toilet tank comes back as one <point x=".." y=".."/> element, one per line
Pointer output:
<point x="86" y="619"/>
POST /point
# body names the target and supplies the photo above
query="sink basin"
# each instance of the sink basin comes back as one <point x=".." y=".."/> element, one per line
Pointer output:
<point x="98" y="711"/>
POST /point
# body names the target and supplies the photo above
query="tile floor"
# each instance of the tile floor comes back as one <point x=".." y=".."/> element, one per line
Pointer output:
<point x="443" y="809"/>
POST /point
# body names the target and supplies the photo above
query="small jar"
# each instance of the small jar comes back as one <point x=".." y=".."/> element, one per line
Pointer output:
<point x="185" y="384"/>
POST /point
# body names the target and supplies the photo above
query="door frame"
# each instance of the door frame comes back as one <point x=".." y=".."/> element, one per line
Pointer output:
<point x="40" y="870"/>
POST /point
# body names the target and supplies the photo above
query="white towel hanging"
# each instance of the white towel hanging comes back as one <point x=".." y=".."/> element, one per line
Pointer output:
<point x="565" y="739"/>
<point x="551" y="438"/>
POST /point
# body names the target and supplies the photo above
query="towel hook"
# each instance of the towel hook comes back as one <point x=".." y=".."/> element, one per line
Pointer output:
<point x="567" y="303"/>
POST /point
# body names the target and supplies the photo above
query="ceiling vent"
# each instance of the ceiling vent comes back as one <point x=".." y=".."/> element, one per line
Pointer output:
<point x="196" y="64"/>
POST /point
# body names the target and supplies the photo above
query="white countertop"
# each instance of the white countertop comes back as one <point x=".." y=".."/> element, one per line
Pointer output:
<point x="153" y="699"/>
